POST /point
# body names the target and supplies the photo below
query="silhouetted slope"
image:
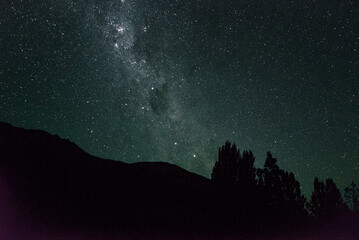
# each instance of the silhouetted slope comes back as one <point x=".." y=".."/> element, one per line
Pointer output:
<point x="56" y="182"/>
<point x="173" y="173"/>
<point x="52" y="189"/>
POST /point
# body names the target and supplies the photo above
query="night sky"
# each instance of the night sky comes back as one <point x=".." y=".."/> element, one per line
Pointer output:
<point x="172" y="80"/>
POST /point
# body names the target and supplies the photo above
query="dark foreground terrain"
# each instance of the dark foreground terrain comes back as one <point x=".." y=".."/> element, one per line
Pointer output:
<point x="51" y="189"/>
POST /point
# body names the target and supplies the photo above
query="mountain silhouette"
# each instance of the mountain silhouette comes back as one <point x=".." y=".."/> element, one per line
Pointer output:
<point x="55" y="183"/>
<point x="51" y="189"/>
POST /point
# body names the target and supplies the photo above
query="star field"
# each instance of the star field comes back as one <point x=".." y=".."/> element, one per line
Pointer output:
<point x="173" y="80"/>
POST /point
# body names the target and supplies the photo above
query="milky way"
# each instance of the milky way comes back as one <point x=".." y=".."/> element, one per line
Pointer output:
<point x="173" y="80"/>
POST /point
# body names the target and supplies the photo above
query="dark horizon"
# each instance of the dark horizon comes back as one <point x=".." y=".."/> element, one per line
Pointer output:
<point x="51" y="188"/>
<point x="307" y="193"/>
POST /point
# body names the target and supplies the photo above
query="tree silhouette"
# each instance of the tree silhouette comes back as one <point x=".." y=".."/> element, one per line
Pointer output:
<point x="234" y="178"/>
<point x="225" y="169"/>
<point x="233" y="170"/>
<point x="280" y="192"/>
<point x="246" y="172"/>
<point x="352" y="197"/>
<point x="326" y="200"/>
